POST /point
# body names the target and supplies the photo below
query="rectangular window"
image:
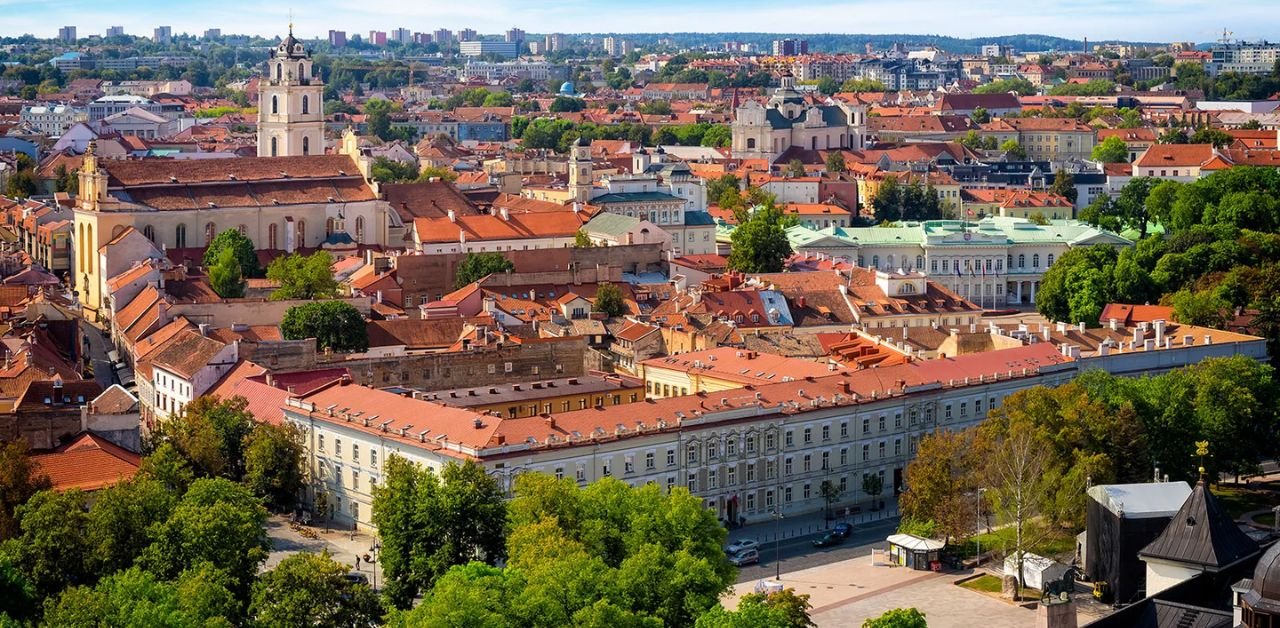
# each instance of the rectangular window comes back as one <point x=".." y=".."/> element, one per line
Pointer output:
<point x="692" y="483"/>
<point x="826" y="432"/>
<point x="373" y="458"/>
<point x="977" y="406"/>
<point x="946" y="412"/>
<point x="881" y="453"/>
<point x="768" y="499"/>
<point x="769" y="441"/>
<point x="731" y="447"/>
<point x="628" y="466"/>
<point x="712" y="479"/>
<point x="648" y="461"/>
<point x="559" y="473"/>
<point x="790" y="440"/>
<point x="786" y="495"/>
<point x="751" y="444"/>
<point x="866" y="426"/>
<point x="808" y="491"/>
<point x="671" y="457"/>
<point x="355" y="480"/>
<point x="826" y="460"/>
<point x="355" y="452"/>
<point x="786" y="466"/>
<point x="320" y="442"/>
<point x="897" y="446"/>
<point x="751" y="472"/>
<point x="808" y="435"/>
<point x="866" y="452"/>
<point x="882" y="423"/>
<point x="807" y="460"/>
<point x="337" y="447"/>
<point x="844" y="429"/>
<point x="751" y="502"/>
<point x="731" y="476"/>
<point x="964" y="408"/>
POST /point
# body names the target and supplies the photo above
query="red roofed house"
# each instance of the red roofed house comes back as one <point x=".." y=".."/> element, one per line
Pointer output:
<point x="88" y="463"/>
<point x="1180" y="162"/>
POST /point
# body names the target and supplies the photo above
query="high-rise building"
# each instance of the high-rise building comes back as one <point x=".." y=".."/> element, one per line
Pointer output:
<point x="481" y="47"/>
<point x="422" y="38"/>
<point x="537" y="47"/>
<point x="444" y="37"/>
<point x="515" y="35"/>
<point x="162" y="35"/>
<point x="401" y="35"/>
<point x="790" y="47"/>
<point x="468" y="34"/>
<point x="378" y="38"/>
<point x="290" y="104"/>
<point x="553" y="42"/>
<point x="616" y="46"/>
<point x="115" y="31"/>
<point x="67" y="34"/>
<point x="337" y="39"/>
<point x="1244" y="58"/>
<point x="213" y="33"/>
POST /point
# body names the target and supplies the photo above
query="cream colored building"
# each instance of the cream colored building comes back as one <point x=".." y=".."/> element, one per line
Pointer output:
<point x="291" y="104"/>
<point x="788" y="120"/>
<point x="282" y="204"/>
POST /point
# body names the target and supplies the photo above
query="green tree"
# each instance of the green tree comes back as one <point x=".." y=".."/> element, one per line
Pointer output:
<point x="1078" y="285"/>
<point x="567" y="104"/>
<point x="311" y="590"/>
<point x="498" y="99"/>
<point x="138" y="598"/>
<point x="273" y="463"/>
<point x="242" y="251"/>
<point x="1112" y="150"/>
<point x="53" y="550"/>
<point x="717" y="136"/>
<point x="18" y="600"/>
<point x="980" y="116"/>
<point x="835" y="161"/>
<point x="303" y="277"/>
<point x="217" y="522"/>
<point x="378" y="118"/>
<point x="169" y="467"/>
<point x="828" y="86"/>
<point x="336" y="325"/>
<point x="873" y="486"/>
<point x="392" y="171"/>
<point x="724" y="183"/>
<point x="862" y="85"/>
<point x="778" y="609"/>
<point x="943" y="478"/>
<point x="1022" y="86"/>
<point x="898" y="618"/>
<point x="1095" y="87"/>
<point x="21" y="184"/>
<point x="436" y="173"/>
<point x="121" y="518"/>
<point x="1199" y="307"/>
<point x="1014" y="150"/>
<point x="477" y="266"/>
<point x="796" y="168"/>
<point x="609" y="300"/>
<point x="19" y="480"/>
<point x="430" y="522"/>
<point x="225" y="277"/>
<point x="582" y="241"/>
<point x="656" y="108"/>
<point x="1064" y="185"/>
<point x="1038" y="218"/>
<point x="210" y="435"/>
<point x="759" y="243"/>
<point x="1209" y="135"/>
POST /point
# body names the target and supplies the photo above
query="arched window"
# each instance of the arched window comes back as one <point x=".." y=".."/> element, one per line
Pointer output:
<point x="180" y="236"/>
<point x="275" y="147"/>
<point x="302" y="233"/>
<point x="1035" y="261"/>
<point x="751" y="143"/>
<point x="1022" y="261"/>
<point x="89" y="247"/>
<point x="80" y="247"/>
<point x="329" y="225"/>
<point x="306" y="104"/>
<point x="209" y="231"/>
<point x="279" y="70"/>
<point x="919" y="261"/>
<point x="1048" y="261"/>
<point x="301" y="75"/>
<point x="875" y="261"/>
<point x="359" y="229"/>
<point x="889" y="261"/>
<point x="116" y="230"/>
<point x="306" y="145"/>
<point x="275" y="104"/>
<point x="271" y="237"/>
<point x="149" y="232"/>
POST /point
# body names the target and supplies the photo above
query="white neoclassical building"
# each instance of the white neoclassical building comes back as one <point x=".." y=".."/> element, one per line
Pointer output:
<point x="290" y="104"/>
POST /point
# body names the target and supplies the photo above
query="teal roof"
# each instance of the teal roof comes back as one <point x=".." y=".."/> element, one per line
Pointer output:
<point x="634" y="197"/>
<point x="1012" y="230"/>
<point x="611" y="224"/>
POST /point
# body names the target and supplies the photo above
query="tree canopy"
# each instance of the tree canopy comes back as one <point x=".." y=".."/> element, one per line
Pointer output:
<point x="759" y="243"/>
<point x="303" y="276"/>
<point x="609" y="300"/>
<point x="308" y="589"/>
<point x="477" y="266"/>
<point x="242" y="250"/>
<point x="1112" y="150"/>
<point x="336" y="325"/>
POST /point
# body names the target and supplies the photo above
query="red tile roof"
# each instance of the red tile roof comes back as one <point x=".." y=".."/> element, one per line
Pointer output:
<point x="88" y="463"/>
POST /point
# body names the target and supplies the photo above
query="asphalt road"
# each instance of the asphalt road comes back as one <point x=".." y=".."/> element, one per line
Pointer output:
<point x="799" y="553"/>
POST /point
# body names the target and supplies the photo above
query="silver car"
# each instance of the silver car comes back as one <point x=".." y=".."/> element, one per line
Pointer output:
<point x="742" y="557"/>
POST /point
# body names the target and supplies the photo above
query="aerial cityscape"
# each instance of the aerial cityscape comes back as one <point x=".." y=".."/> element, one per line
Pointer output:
<point x="707" y="315"/>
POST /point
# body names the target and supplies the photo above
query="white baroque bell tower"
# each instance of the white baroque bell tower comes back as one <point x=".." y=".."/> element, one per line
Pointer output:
<point x="290" y="104"/>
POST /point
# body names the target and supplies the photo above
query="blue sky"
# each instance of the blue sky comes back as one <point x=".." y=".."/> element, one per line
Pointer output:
<point x="1154" y="20"/>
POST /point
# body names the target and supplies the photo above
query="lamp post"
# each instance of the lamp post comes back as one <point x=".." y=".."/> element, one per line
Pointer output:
<point x="777" y="541"/>
<point x="977" y="537"/>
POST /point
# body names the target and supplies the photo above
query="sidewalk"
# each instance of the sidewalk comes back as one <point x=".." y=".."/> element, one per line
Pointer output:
<point x="808" y="524"/>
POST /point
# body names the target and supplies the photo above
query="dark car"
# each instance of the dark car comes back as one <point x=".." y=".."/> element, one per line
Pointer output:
<point x="843" y="529"/>
<point x="828" y="539"/>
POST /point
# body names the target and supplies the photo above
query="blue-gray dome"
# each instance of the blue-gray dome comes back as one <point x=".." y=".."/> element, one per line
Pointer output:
<point x="566" y="88"/>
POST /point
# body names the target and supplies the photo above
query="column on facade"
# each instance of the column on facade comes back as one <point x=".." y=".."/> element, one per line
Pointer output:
<point x="1033" y="292"/>
<point x="1018" y="287"/>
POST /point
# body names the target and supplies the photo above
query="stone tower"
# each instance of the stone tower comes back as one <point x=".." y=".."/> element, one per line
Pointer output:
<point x="580" y="178"/>
<point x="290" y="104"/>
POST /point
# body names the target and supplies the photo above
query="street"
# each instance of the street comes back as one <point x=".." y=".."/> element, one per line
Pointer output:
<point x="799" y="553"/>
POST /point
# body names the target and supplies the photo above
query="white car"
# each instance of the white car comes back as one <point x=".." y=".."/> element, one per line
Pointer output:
<point x="740" y="545"/>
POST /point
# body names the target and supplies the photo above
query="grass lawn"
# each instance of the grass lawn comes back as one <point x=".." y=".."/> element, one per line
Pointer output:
<point x="1238" y="501"/>
<point x="1003" y="539"/>
<point x="990" y="584"/>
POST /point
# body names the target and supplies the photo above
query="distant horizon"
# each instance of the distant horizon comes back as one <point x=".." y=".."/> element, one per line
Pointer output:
<point x="1097" y="20"/>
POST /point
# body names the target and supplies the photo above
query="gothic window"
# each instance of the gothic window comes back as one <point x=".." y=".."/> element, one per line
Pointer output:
<point x="306" y="141"/>
<point x="149" y="232"/>
<point x="360" y="229"/>
<point x="306" y="104"/>
<point x="180" y="236"/>
<point x="275" y="147"/>
<point x="271" y="237"/>
<point x="209" y="232"/>
<point x="275" y="104"/>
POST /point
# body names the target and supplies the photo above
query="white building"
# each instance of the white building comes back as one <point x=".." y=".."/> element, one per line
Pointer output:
<point x="51" y="120"/>
<point x="291" y="104"/>
<point x="186" y="368"/>
<point x="767" y="131"/>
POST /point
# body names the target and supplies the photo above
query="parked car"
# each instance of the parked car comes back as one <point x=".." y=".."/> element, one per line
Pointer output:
<point x="742" y="557"/>
<point x="828" y="539"/>
<point x="356" y="578"/>
<point x="741" y="544"/>
<point x="843" y="529"/>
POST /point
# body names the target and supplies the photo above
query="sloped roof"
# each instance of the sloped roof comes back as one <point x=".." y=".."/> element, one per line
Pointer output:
<point x="1201" y="533"/>
<point x="88" y="463"/>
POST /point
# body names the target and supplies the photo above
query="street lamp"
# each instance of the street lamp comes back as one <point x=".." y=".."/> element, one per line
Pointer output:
<point x="373" y="565"/>
<point x="777" y="541"/>
<point x="977" y="537"/>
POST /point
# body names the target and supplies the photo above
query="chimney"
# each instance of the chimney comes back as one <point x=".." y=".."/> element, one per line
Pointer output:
<point x="1080" y="327"/>
<point x="505" y="213"/>
<point x="1104" y="349"/>
<point x="453" y="216"/>
<point x="1188" y="340"/>
<point x="1056" y="615"/>
<point x="1159" y="325"/>
<point x="1208" y="339"/>
<point x="1062" y="327"/>
<point x="1137" y="335"/>
<point x="204" y="329"/>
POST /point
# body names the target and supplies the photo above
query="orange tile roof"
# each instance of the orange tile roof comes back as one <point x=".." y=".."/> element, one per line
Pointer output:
<point x="487" y="227"/>
<point x="1177" y="155"/>
<point x="187" y="352"/>
<point x="744" y="367"/>
<point x="89" y="463"/>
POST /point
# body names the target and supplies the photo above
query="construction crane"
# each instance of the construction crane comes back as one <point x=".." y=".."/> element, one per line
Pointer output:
<point x="1226" y="37"/>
